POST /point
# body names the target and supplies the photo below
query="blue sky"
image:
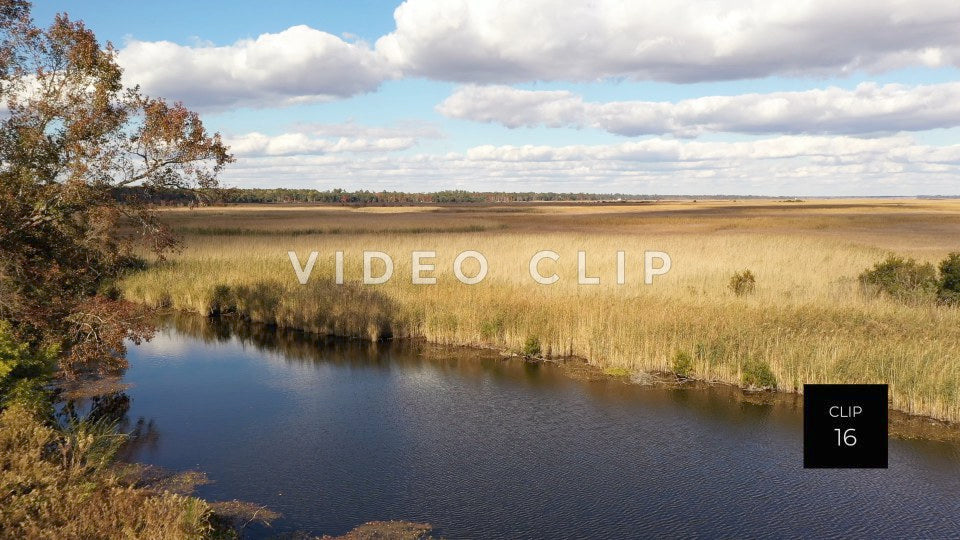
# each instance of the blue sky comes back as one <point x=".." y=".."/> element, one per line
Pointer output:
<point x="219" y="21"/>
<point x="738" y="98"/>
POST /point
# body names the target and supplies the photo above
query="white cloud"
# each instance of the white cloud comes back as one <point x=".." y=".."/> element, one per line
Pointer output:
<point x="504" y="41"/>
<point x="289" y="144"/>
<point x="407" y="128"/>
<point x="867" y="109"/>
<point x="674" y="151"/>
<point x="786" y="165"/>
<point x="317" y="139"/>
<point x="299" y="64"/>
<point x="499" y="41"/>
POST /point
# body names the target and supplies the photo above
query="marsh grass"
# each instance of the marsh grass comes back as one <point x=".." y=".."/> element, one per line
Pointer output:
<point x="48" y="479"/>
<point x="742" y="283"/>
<point x="806" y="321"/>
<point x="229" y="231"/>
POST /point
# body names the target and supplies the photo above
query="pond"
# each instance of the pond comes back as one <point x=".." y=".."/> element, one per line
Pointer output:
<point x="333" y="434"/>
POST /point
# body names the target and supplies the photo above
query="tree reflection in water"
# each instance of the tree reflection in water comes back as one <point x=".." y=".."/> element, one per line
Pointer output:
<point x="111" y="409"/>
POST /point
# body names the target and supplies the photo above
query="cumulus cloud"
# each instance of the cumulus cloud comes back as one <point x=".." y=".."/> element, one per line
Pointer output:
<point x="289" y="144"/>
<point x="674" y="151"/>
<point x="503" y="41"/>
<point x="336" y="138"/>
<point x="500" y="41"/>
<point x="801" y="165"/>
<point x="299" y="64"/>
<point x="406" y="128"/>
<point x="867" y="109"/>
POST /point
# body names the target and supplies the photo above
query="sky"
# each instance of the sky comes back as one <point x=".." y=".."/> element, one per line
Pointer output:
<point x="803" y="98"/>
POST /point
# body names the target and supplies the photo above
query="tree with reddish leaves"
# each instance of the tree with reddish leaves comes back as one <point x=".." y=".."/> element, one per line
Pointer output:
<point x="71" y="135"/>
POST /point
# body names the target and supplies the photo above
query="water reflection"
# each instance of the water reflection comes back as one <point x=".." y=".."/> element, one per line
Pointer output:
<point x="112" y="409"/>
<point x="716" y="403"/>
<point x="333" y="433"/>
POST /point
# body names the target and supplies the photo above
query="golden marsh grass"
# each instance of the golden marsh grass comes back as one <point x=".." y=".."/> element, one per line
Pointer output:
<point x="807" y="320"/>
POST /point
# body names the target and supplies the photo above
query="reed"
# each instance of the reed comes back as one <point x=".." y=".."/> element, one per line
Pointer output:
<point x="805" y="320"/>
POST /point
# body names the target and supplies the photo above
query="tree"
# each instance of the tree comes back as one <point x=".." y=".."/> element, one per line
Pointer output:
<point x="71" y="135"/>
<point x="949" y="286"/>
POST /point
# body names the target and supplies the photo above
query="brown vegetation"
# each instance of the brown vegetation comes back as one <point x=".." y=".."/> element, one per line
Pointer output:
<point x="57" y="486"/>
<point x="387" y="530"/>
<point x="70" y="134"/>
<point x="806" y="321"/>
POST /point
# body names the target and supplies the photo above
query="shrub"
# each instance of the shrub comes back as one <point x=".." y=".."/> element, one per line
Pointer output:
<point x="949" y="287"/>
<point x="682" y="364"/>
<point x="742" y="283"/>
<point x="616" y="371"/>
<point x="62" y="485"/>
<point x="490" y="329"/>
<point x="24" y="373"/>
<point x="901" y="279"/>
<point x="221" y="301"/>
<point x="531" y="347"/>
<point x="757" y="374"/>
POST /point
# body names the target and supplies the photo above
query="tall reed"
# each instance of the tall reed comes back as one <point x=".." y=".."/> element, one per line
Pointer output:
<point x="806" y="320"/>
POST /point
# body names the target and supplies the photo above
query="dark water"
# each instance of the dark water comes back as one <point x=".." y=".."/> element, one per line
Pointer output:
<point x="336" y="434"/>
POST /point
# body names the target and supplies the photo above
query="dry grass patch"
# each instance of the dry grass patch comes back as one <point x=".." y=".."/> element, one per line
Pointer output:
<point x="805" y="321"/>
<point x="48" y="482"/>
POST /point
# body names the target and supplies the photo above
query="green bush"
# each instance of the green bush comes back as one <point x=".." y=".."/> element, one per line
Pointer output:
<point x="742" y="283"/>
<point x="901" y="279"/>
<point x="222" y="301"/>
<point x="757" y="374"/>
<point x="24" y="373"/>
<point x="490" y="329"/>
<point x="949" y="287"/>
<point x="531" y="347"/>
<point x="682" y="364"/>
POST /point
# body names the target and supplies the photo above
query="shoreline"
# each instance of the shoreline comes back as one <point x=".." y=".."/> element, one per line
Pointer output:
<point x="902" y="424"/>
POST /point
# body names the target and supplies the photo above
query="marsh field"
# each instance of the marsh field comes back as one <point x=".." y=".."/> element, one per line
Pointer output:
<point x="807" y="319"/>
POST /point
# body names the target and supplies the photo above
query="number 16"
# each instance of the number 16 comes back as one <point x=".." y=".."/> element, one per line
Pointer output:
<point x="846" y="438"/>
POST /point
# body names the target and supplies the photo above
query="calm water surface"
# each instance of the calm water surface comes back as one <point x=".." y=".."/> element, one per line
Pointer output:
<point x="336" y="434"/>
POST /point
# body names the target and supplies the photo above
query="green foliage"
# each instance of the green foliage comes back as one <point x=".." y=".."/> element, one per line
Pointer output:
<point x="908" y="280"/>
<point x="682" y="364"/>
<point x="12" y="353"/>
<point x="24" y="373"/>
<point x="531" y="347"/>
<point x="948" y="291"/>
<point x="30" y="394"/>
<point x="492" y="328"/>
<point x="742" y="283"/>
<point x="902" y="279"/>
<point x="223" y="300"/>
<point x="756" y="374"/>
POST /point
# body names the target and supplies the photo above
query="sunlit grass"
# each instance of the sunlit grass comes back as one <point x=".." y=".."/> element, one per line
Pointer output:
<point x="806" y="321"/>
<point x="62" y="485"/>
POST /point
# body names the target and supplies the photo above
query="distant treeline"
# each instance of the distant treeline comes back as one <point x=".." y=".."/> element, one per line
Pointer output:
<point x="182" y="197"/>
<point x="340" y="196"/>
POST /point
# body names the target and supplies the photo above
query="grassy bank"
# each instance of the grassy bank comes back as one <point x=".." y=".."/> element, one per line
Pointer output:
<point x="50" y="479"/>
<point x="61" y="474"/>
<point x="805" y="322"/>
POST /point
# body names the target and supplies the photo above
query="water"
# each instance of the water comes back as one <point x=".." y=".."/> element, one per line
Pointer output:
<point x="336" y="434"/>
